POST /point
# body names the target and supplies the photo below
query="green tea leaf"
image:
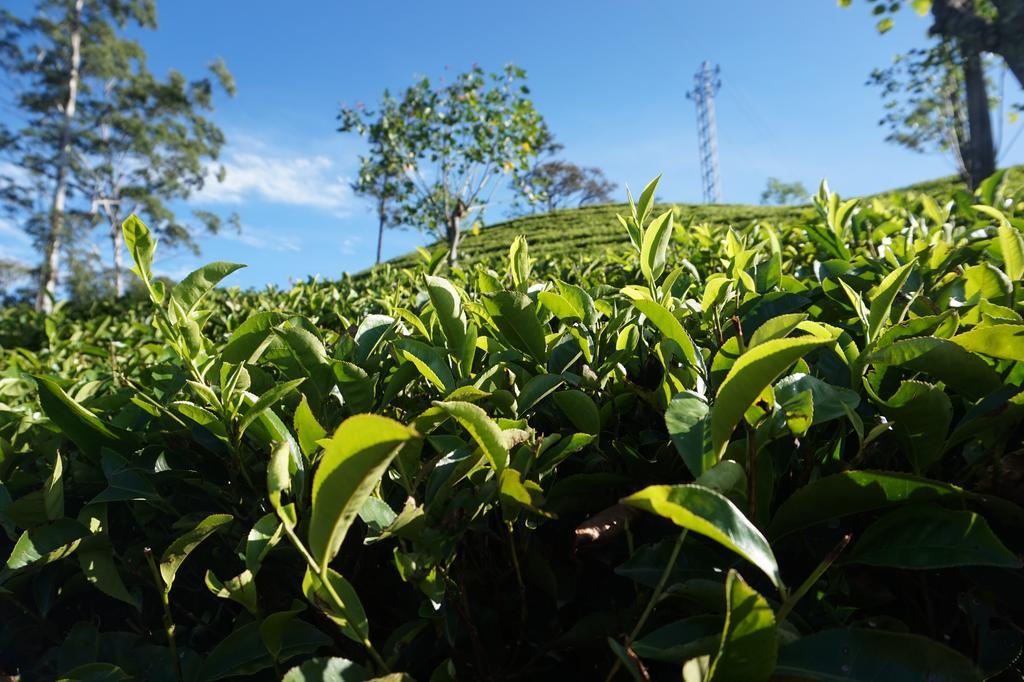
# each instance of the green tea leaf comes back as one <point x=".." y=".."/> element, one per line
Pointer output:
<point x="189" y="291"/>
<point x="53" y="490"/>
<point x="798" y="411"/>
<point x="749" y="643"/>
<point x="536" y="390"/>
<point x="431" y="362"/>
<point x="448" y="307"/>
<point x="712" y="515"/>
<point x="355" y="385"/>
<point x="327" y="670"/>
<point x="922" y="414"/>
<point x="241" y="589"/>
<point x="179" y="550"/>
<point x="679" y="641"/>
<point x="242" y="653"/>
<point x="519" y="263"/>
<point x="926" y="537"/>
<point x="307" y="428"/>
<point x="279" y="482"/>
<point x="250" y="337"/>
<point x="754" y="371"/>
<point x="76" y="422"/>
<point x="515" y="316"/>
<point x="275" y="626"/>
<point x="654" y="247"/>
<point x="266" y="401"/>
<point x="96" y="556"/>
<point x="371" y="334"/>
<point x="559" y="306"/>
<point x="883" y="296"/>
<point x="482" y="428"/>
<point x="965" y="372"/>
<point x="1003" y="341"/>
<point x="854" y="492"/>
<point x="354" y="461"/>
<point x="857" y="655"/>
<point x="580" y="409"/>
<point x="1011" y="242"/>
<point x="632" y="229"/>
<point x="645" y="204"/>
<point x="141" y="246"/>
<point x="45" y="544"/>
<point x="350" y="616"/>
<point x="669" y="326"/>
<point x="776" y="328"/>
<point x="263" y="536"/>
<point x="688" y="426"/>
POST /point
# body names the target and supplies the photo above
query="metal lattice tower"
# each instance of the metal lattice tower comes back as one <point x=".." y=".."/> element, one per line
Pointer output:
<point x="706" y="83"/>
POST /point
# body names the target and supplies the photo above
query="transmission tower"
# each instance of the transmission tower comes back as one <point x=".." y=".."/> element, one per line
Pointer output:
<point x="706" y="83"/>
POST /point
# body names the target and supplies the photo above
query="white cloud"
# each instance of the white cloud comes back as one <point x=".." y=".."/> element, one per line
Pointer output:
<point x="348" y="245"/>
<point x="8" y="254"/>
<point x="264" y="240"/>
<point x="8" y="230"/>
<point x="281" y="178"/>
<point x="15" y="245"/>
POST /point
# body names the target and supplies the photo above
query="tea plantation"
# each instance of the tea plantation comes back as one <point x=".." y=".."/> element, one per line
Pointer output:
<point x="721" y="443"/>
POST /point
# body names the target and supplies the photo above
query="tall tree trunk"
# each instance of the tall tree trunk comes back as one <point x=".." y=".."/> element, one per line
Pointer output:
<point x="51" y="261"/>
<point x="981" y="161"/>
<point x="454" y="234"/>
<point x="1011" y="29"/>
<point x="115" y="244"/>
<point x="1004" y="35"/>
<point x="1013" y="53"/>
<point x="381" y="220"/>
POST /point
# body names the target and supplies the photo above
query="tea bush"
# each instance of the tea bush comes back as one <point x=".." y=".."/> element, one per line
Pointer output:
<point x="765" y="450"/>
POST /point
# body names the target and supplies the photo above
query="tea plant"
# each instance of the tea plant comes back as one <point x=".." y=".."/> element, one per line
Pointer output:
<point x="732" y="453"/>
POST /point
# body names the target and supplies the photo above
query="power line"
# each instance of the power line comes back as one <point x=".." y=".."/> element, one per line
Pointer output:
<point x="706" y="83"/>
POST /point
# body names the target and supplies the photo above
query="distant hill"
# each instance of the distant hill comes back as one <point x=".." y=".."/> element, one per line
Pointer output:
<point x="595" y="228"/>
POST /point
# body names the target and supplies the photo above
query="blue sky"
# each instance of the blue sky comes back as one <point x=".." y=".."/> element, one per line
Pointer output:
<point x="609" y="77"/>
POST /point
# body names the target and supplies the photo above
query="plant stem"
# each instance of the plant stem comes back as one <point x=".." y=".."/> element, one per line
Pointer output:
<point x="738" y="327"/>
<point x="519" y="573"/>
<point x="168" y="620"/>
<point x="631" y="547"/>
<point x="235" y="443"/>
<point x="655" y="597"/>
<point x="799" y="592"/>
<point x="321" y="573"/>
<point x="752" y="470"/>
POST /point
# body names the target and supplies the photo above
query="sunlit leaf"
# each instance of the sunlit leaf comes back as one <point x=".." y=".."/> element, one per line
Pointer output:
<point x="354" y="460"/>
<point x="712" y="515"/>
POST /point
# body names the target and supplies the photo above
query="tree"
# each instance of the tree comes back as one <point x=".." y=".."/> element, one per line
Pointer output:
<point x="96" y="130"/>
<point x="146" y="143"/>
<point x="926" y="109"/>
<point x="558" y="184"/>
<point x="783" y="193"/>
<point x="455" y="142"/>
<point x="381" y="176"/>
<point x="960" y="56"/>
<point x="994" y="26"/>
<point x="53" y="61"/>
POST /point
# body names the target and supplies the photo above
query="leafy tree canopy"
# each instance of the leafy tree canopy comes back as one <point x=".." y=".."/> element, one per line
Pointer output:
<point x="453" y="144"/>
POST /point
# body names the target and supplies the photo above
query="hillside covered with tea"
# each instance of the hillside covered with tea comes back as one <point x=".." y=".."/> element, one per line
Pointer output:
<point x="718" y="442"/>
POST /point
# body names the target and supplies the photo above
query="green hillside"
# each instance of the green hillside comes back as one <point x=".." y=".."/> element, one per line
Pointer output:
<point x="786" y="419"/>
<point x="595" y="228"/>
